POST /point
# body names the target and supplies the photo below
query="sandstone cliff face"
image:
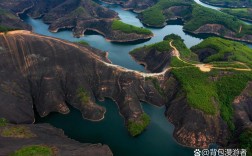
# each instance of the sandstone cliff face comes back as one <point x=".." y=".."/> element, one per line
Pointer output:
<point x="46" y="135"/>
<point x="47" y="73"/>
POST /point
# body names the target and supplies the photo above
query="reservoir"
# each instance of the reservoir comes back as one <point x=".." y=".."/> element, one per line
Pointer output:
<point x="157" y="139"/>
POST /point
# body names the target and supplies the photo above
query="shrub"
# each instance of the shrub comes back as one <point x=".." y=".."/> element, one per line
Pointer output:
<point x="137" y="126"/>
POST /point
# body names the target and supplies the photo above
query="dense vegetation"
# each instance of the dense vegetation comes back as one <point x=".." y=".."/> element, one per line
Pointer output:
<point x="34" y="150"/>
<point x="194" y="16"/>
<point x="226" y="50"/>
<point x="126" y="28"/>
<point x="199" y="89"/>
<point x="202" y="92"/>
<point x="246" y="141"/>
<point x="202" y="15"/>
<point x="154" y="15"/>
<point x="136" y="126"/>
<point x="241" y="13"/>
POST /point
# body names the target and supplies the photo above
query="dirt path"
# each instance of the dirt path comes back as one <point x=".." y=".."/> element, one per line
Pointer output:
<point x="207" y="67"/>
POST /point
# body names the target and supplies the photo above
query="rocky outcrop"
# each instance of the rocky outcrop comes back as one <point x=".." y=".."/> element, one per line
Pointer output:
<point x="48" y="73"/>
<point x="220" y="30"/>
<point x="153" y="60"/>
<point x="46" y="135"/>
<point x="135" y="5"/>
<point x="243" y="109"/>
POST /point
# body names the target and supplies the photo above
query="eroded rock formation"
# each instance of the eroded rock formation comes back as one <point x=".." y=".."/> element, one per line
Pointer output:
<point x="47" y="73"/>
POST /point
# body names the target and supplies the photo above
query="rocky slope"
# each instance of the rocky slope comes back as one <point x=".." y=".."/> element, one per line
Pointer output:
<point x="76" y="15"/>
<point x="135" y="5"/>
<point x="46" y="135"/>
<point x="64" y="73"/>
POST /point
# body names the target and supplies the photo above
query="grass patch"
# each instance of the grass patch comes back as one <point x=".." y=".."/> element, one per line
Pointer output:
<point x="175" y="62"/>
<point x="17" y="131"/>
<point x="34" y="150"/>
<point x="126" y="28"/>
<point x="137" y="126"/>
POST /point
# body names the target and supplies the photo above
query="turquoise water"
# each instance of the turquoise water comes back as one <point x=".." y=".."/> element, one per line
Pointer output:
<point x="157" y="139"/>
<point x="118" y="53"/>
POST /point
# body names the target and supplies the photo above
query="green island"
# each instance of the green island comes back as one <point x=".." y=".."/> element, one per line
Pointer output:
<point x="34" y="150"/>
<point x="126" y="28"/>
<point x="137" y="126"/>
<point x="241" y="13"/>
<point x="194" y="17"/>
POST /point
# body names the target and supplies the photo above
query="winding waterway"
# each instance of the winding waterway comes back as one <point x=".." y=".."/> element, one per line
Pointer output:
<point x="157" y="140"/>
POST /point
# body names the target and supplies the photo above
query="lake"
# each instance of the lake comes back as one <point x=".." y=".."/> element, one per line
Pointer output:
<point x="157" y="139"/>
